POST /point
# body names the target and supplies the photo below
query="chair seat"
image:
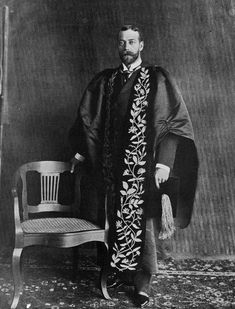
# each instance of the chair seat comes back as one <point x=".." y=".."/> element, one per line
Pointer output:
<point x="57" y="225"/>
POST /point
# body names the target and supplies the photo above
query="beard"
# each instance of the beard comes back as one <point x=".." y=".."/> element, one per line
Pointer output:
<point x="128" y="57"/>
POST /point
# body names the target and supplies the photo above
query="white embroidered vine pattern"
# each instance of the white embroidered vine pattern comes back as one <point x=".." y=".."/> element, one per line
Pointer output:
<point x="128" y="225"/>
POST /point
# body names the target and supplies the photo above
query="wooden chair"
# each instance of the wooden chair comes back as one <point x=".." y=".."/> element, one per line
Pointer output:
<point x="60" y="232"/>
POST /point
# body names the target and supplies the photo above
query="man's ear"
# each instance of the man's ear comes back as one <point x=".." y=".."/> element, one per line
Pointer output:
<point x="141" y="45"/>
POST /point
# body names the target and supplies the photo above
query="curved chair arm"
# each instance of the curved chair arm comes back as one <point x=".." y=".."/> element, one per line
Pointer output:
<point x="18" y="228"/>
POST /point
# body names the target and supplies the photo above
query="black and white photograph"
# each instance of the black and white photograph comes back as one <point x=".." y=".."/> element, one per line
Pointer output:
<point x="117" y="154"/>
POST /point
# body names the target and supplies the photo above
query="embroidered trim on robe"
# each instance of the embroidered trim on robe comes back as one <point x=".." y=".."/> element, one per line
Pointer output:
<point x="129" y="222"/>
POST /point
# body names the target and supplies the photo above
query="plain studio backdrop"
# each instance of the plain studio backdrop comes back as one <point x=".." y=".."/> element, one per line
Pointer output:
<point x="56" y="47"/>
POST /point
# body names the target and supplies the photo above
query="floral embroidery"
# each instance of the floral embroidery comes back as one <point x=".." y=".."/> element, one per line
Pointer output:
<point x="127" y="247"/>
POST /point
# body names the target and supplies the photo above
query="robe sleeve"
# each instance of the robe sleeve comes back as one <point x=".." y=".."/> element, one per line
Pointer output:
<point x="167" y="150"/>
<point x="77" y="137"/>
<point x="86" y="114"/>
<point x="171" y="119"/>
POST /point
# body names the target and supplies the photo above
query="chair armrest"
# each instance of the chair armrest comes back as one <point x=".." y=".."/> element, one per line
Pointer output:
<point x="18" y="228"/>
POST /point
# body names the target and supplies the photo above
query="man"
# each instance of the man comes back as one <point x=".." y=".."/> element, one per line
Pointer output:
<point x="134" y="134"/>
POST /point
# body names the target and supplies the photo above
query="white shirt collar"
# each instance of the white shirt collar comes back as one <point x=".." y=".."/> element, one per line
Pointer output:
<point x="133" y="66"/>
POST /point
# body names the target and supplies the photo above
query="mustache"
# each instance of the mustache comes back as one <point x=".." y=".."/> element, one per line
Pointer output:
<point x="128" y="53"/>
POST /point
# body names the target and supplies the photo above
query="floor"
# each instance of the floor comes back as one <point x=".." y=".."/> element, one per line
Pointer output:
<point x="188" y="283"/>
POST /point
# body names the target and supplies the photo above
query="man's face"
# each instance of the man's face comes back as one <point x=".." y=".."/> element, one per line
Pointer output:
<point x="129" y="46"/>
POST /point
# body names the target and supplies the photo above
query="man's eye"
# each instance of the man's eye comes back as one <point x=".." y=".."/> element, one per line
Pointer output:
<point x="132" y="42"/>
<point x="121" y="43"/>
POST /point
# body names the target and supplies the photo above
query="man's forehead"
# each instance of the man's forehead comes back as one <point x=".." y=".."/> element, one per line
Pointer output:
<point x="129" y="35"/>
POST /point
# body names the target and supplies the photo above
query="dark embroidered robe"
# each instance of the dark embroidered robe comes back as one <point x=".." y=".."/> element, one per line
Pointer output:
<point x="165" y="114"/>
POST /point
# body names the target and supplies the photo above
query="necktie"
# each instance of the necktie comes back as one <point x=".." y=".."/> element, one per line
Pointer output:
<point x="125" y="76"/>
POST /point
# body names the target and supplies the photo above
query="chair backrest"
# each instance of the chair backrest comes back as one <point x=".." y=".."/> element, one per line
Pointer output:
<point x="50" y="176"/>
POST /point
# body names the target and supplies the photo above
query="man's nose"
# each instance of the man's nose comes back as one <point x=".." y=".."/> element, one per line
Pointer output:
<point x="126" y="46"/>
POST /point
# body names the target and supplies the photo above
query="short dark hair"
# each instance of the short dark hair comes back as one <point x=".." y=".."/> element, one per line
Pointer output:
<point x="134" y="28"/>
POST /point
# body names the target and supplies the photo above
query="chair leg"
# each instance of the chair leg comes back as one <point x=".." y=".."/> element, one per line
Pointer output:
<point x="75" y="263"/>
<point x="16" y="270"/>
<point x="104" y="275"/>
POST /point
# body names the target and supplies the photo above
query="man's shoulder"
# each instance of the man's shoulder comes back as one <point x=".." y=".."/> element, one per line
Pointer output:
<point x="103" y="75"/>
<point x="162" y="73"/>
<point x="99" y="79"/>
<point x="156" y="68"/>
<point x="106" y="72"/>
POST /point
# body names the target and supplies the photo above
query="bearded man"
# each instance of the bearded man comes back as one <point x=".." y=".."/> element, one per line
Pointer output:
<point x="134" y="135"/>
